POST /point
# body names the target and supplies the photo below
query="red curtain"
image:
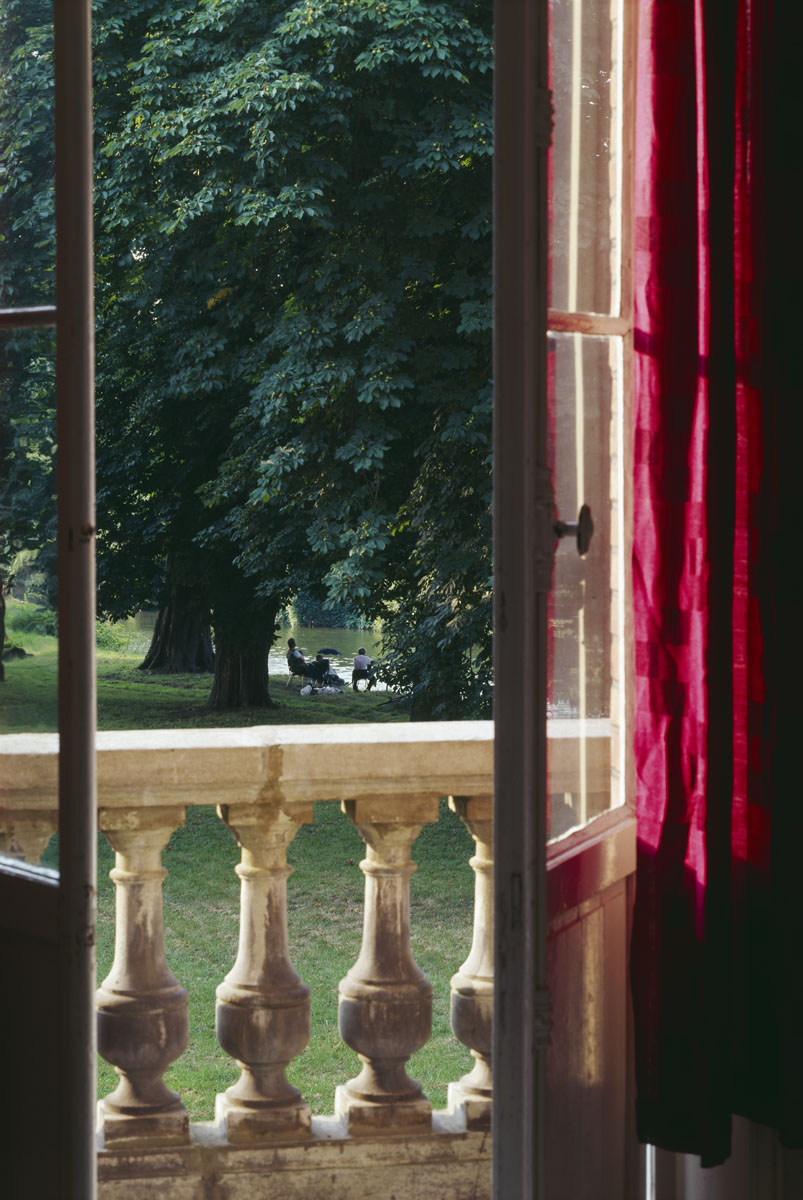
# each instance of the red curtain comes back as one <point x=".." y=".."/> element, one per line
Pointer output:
<point x="717" y="941"/>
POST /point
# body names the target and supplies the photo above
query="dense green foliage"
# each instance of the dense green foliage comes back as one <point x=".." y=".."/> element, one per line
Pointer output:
<point x="24" y="617"/>
<point x="308" y="608"/>
<point x="27" y="277"/>
<point x="371" y="416"/>
<point x="293" y="265"/>
<point x="27" y="452"/>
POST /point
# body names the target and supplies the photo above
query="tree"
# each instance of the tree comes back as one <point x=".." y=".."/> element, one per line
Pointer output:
<point x="293" y="260"/>
<point x="143" y="550"/>
<point x="27" y="268"/>
<point x="368" y="422"/>
<point x="168" y="378"/>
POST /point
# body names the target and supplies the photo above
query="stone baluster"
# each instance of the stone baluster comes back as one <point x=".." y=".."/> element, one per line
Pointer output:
<point x="26" y="834"/>
<point x="385" y="1010"/>
<point x="263" y="1008"/>
<point x="142" y="1009"/>
<point x="472" y="986"/>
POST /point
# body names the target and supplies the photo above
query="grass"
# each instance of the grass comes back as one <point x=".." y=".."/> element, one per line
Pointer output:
<point x="201" y="892"/>
<point x="130" y="699"/>
<point x="28" y="696"/>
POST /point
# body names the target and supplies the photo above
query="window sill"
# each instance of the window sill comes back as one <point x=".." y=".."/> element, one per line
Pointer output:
<point x="588" y="861"/>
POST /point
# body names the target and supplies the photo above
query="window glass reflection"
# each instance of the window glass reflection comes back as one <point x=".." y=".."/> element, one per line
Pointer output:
<point x="584" y="159"/>
<point x="582" y="630"/>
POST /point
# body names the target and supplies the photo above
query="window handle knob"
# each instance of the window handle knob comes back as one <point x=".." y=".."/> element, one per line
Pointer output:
<point x="582" y="529"/>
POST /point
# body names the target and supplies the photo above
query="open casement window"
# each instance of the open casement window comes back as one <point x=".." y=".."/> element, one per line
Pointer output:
<point x="586" y="368"/>
<point x="47" y="926"/>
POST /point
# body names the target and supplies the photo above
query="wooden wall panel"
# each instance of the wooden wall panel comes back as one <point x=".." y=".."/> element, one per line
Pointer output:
<point x="586" y="1090"/>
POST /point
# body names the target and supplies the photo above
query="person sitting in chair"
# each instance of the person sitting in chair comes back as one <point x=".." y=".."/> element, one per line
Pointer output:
<point x="319" y="669"/>
<point x="296" y="663"/>
<point x="362" y="670"/>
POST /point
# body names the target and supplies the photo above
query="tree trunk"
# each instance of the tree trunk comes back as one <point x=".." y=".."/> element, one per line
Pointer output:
<point x="241" y="670"/>
<point x="182" y="641"/>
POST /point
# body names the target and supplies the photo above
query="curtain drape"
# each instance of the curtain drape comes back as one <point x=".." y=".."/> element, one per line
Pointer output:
<point x="717" y="934"/>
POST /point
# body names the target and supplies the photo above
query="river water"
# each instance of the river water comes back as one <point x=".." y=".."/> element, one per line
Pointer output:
<point x="311" y="639"/>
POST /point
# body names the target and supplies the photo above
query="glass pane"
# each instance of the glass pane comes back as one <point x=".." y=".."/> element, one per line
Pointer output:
<point x="28" y="690"/>
<point x="28" y="693"/>
<point x="27" y="228"/>
<point x="584" y="159"/>
<point x="584" y="378"/>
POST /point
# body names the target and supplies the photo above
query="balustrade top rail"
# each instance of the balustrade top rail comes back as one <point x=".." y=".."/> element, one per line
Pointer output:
<point x="261" y="764"/>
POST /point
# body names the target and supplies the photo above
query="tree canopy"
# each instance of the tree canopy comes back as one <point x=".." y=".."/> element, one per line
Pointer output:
<point x="27" y="277"/>
<point x="293" y="346"/>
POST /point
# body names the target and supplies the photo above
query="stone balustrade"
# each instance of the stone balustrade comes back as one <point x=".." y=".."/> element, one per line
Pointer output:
<point x="263" y="781"/>
<point x="142" y="1009"/>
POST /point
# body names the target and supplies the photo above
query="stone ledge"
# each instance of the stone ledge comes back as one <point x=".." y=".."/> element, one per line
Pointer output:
<point x="289" y="764"/>
<point x="261" y="764"/>
<point x="446" y="1164"/>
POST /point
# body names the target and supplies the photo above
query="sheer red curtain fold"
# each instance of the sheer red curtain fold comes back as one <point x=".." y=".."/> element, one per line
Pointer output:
<point x="710" y="950"/>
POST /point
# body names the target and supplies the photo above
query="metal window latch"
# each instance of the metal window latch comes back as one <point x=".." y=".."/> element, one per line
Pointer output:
<point x="582" y="529"/>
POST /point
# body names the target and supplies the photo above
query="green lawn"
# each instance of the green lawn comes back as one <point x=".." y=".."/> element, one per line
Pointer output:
<point x="325" y="891"/>
<point x="130" y="699"/>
